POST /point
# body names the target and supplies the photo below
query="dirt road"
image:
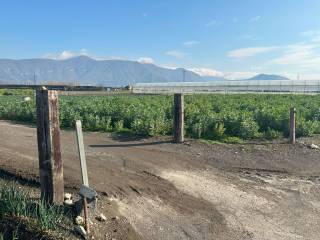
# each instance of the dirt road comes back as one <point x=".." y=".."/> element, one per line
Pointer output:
<point x="191" y="190"/>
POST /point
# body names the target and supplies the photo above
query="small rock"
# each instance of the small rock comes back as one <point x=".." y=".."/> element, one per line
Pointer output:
<point x="79" y="220"/>
<point x="101" y="218"/>
<point x="105" y="194"/>
<point x="67" y="196"/>
<point x="68" y="202"/>
<point x="313" y="146"/>
<point x="115" y="218"/>
<point x="81" y="231"/>
<point x="198" y="154"/>
<point x="26" y="99"/>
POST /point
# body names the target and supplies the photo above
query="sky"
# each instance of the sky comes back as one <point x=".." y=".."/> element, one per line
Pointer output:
<point x="230" y="38"/>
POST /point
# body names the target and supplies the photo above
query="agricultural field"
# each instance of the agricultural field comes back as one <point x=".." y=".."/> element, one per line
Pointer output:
<point x="228" y="118"/>
<point x="151" y="188"/>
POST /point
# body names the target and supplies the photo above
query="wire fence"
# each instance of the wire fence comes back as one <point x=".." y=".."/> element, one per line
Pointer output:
<point x="261" y="86"/>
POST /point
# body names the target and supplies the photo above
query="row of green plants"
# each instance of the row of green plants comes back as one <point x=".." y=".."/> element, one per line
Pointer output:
<point x="16" y="92"/>
<point x="212" y="116"/>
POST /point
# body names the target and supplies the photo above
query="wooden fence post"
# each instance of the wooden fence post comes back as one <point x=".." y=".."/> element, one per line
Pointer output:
<point x="48" y="135"/>
<point x="292" y="125"/>
<point x="178" y="118"/>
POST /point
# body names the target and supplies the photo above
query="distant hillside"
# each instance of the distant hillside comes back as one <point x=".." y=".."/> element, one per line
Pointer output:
<point x="83" y="70"/>
<point x="268" y="77"/>
<point x="86" y="71"/>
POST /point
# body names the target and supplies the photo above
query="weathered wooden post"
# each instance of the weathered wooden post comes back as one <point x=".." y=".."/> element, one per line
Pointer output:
<point x="292" y="125"/>
<point x="48" y="134"/>
<point x="178" y="118"/>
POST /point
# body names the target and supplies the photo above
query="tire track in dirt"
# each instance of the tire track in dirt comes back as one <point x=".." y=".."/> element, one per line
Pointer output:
<point x="264" y="211"/>
<point x="163" y="190"/>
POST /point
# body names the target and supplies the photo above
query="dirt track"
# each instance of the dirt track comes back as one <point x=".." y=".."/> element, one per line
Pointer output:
<point x="191" y="190"/>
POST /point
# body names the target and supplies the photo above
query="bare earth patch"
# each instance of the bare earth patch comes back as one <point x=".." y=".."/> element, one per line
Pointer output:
<point x="186" y="191"/>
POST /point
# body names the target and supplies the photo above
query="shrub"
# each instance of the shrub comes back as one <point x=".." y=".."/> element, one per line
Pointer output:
<point x="118" y="125"/>
<point x="234" y="140"/>
<point x="248" y="129"/>
<point x="272" y="134"/>
<point x="305" y="128"/>
<point x="196" y="130"/>
<point x="218" y="130"/>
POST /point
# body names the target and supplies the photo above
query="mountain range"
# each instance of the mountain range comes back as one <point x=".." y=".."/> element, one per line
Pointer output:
<point x="268" y="77"/>
<point x="83" y="70"/>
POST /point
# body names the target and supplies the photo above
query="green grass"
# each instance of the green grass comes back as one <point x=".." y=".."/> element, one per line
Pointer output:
<point x="17" y="92"/>
<point x="231" y="140"/>
<point x="18" y="204"/>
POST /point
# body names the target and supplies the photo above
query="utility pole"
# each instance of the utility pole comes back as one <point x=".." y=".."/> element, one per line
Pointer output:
<point x="34" y="79"/>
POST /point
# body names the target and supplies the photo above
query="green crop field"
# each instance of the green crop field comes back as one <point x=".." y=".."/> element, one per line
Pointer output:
<point x="216" y="117"/>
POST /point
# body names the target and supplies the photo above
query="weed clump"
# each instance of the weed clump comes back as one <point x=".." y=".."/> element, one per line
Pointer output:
<point x="21" y="213"/>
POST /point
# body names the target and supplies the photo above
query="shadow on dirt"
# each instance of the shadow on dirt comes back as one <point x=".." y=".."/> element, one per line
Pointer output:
<point x="129" y="144"/>
<point x="7" y="175"/>
<point x="125" y="138"/>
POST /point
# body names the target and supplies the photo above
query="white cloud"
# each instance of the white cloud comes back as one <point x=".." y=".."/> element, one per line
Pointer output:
<point x="207" y="72"/>
<point x="255" y="19"/>
<point x="256" y="68"/>
<point x="239" y="75"/>
<point x="169" y="66"/>
<point x="190" y="43"/>
<point x="213" y="23"/>
<point x="101" y="58"/>
<point x="176" y="54"/>
<point x="312" y="34"/>
<point x="250" y="51"/>
<point x="302" y="55"/>
<point x="66" y="54"/>
<point x="307" y="76"/>
<point x="145" y="60"/>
